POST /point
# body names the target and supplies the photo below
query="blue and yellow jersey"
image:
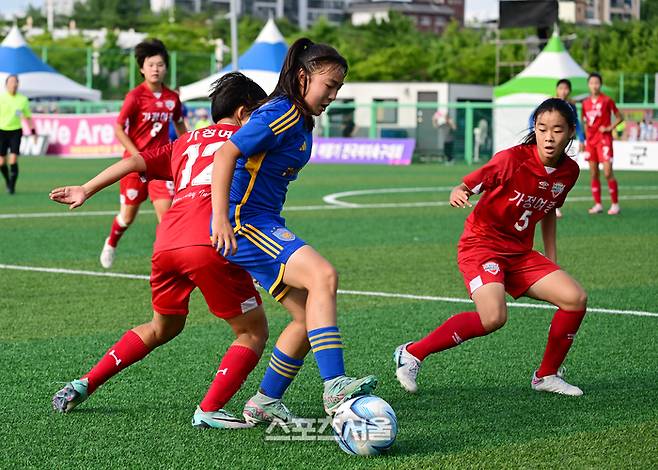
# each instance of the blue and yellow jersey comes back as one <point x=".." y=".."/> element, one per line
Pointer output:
<point x="275" y="146"/>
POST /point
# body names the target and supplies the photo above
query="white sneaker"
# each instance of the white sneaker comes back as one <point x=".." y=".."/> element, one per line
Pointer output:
<point x="596" y="209"/>
<point x="554" y="384"/>
<point x="107" y="255"/>
<point x="407" y="367"/>
<point x="614" y="209"/>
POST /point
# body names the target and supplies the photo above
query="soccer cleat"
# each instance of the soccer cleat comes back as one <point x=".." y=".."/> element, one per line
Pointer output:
<point x="554" y="384"/>
<point x="558" y="213"/>
<point x="596" y="209"/>
<point x="341" y="389"/>
<point x="261" y="409"/>
<point x="70" y="396"/>
<point x="107" y="255"/>
<point x="614" y="209"/>
<point x="219" y="419"/>
<point x="406" y="368"/>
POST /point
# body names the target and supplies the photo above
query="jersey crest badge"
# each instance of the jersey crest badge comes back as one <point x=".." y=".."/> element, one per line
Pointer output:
<point x="284" y="234"/>
<point x="557" y="189"/>
<point x="491" y="267"/>
<point x="170" y="104"/>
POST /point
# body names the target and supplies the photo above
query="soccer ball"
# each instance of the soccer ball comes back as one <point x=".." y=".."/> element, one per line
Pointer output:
<point x="365" y="425"/>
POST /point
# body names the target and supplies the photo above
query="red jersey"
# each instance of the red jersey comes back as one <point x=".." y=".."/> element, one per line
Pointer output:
<point x="188" y="162"/>
<point x="597" y="113"/>
<point x="146" y="117"/>
<point x="518" y="192"/>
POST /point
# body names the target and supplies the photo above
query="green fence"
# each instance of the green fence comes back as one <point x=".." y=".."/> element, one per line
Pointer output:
<point x="464" y="132"/>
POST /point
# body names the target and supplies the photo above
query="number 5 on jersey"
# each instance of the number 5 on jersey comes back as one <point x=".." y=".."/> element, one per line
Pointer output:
<point x="523" y="222"/>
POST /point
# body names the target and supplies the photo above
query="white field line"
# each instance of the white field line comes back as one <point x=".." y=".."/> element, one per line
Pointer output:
<point x="393" y="295"/>
<point x="337" y="206"/>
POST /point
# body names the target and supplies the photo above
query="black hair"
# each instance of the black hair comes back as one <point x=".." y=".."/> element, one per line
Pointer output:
<point x="309" y="57"/>
<point x="595" y="75"/>
<point x="9" y="76"/>
<point x="552" y="104"/>
<point x="565" y="81"/>
<point x="231" y="91"/>
<point x="151" y="48"/>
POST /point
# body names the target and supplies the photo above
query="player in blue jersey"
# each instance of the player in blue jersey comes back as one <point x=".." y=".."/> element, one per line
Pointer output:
<point x="250" y="180"/>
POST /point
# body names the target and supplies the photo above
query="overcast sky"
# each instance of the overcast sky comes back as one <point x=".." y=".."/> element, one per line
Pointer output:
<point x="480" y="9"/>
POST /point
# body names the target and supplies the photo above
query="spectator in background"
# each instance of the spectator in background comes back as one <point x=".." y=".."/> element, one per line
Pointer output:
<point x="203" y="120"/>
<point x="349" y="126"/>
<point x="14" y="107"/>
<point x="446" y="127"/>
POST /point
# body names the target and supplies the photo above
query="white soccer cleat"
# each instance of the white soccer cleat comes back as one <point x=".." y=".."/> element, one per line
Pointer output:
<point x="107" y="255"/>
<point x="596" y="209"/>
<point x="554" y="384"/>
<point x="407" y="367"/>
<point x="614" y="209"/>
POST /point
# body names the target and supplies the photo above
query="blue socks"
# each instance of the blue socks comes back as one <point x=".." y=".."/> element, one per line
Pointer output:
<point x="327" y="347"/>
<point x="280" y="372"/>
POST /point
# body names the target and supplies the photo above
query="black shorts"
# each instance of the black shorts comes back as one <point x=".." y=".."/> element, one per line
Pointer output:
<point x="10" y="140"/>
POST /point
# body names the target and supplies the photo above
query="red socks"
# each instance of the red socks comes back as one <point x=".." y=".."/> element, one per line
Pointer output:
<point x="612" y="187"/>
<point x="596" y="191"/>
<point x="236" y="365"/>
<point x="118" y="227"/>
<point x="564" y="326"/>
<point x="128" y="350"/>
<point x="455" y="330"/>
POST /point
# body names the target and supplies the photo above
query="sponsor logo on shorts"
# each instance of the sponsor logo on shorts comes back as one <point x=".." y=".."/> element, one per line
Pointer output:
<point x="543" y="185"/>
<point x="284" y="234"/>
<point x="132" y="194"/>
<point x="491" y="267"/>
<point x="249" y="304"/>
<point x="557" y="189"/>
<point x="170" y="104"/>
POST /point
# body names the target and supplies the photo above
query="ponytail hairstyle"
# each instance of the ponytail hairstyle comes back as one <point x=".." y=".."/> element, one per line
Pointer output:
<point x="309" y="57"/>
<point x="552" y="104"/>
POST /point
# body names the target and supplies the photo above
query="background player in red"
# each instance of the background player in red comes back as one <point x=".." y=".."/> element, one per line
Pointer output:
<point x="183" y="260"/>
<point x="597" y="109"/>
<point x="143" y="124"/>
<point x="522" y="185"/>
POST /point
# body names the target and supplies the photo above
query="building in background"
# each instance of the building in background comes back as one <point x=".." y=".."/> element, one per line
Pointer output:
<point x="429" y="15"/>
<point x="599" y="11"/>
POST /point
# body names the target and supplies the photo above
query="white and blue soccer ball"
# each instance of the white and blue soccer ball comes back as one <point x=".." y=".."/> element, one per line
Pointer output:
<point x="365" y="425"/>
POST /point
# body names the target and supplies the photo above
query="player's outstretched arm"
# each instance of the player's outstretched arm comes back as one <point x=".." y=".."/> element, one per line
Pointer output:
<point x="459" y="196"/>
<point x="222" y="237"/>
<point x="549" y="235"/>
<point x="75" y="196"/>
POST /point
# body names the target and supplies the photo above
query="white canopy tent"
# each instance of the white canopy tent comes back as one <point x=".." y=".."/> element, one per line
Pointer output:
<point x="261" y="62"/>
<point x="36" y="79"/>
<point x="530" y="87"/>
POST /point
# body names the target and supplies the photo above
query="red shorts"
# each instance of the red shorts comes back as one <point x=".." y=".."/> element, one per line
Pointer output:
<point x="600" y="150"/>
<point x="228" y="289"/>
<point x="133" y="190"/>
<point x="516" y="272"/>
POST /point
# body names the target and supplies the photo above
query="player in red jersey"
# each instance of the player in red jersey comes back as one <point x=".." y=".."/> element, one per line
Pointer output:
<point x="183" y="259"/>
<point x="597" y="109"/>
<point x="522" y="185"/>
<point x="143" y="124"/>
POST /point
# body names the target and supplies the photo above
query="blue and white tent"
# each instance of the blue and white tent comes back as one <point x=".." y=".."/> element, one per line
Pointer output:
<point x="261" y="62"/>
<point x="36" y="79"/>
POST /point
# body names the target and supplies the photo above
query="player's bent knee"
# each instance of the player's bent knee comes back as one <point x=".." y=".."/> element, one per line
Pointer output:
<point x="493" y="319"/>
<point x="577" y="301"/>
